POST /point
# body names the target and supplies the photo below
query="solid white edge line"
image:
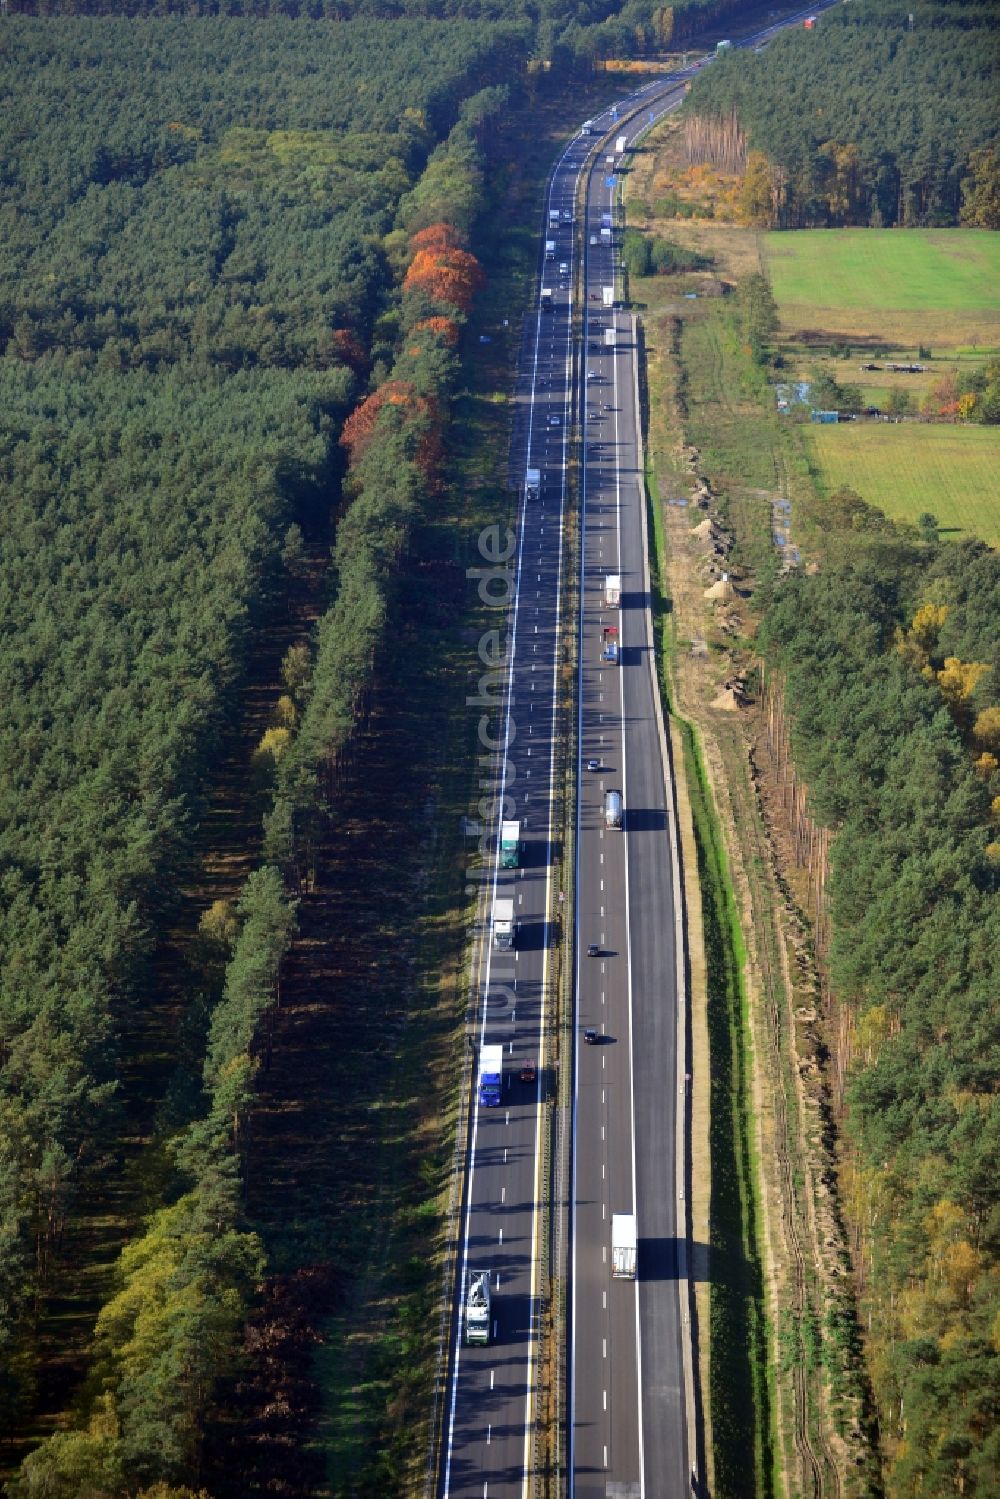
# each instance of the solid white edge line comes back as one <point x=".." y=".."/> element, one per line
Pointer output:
<point x="669" y="82"/>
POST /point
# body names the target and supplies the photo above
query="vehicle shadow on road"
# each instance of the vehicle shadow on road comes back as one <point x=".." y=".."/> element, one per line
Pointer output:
<point x="658" y="1259"/>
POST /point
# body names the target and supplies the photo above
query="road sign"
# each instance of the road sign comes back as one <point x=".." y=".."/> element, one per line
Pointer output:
<point x="609" y="182"/>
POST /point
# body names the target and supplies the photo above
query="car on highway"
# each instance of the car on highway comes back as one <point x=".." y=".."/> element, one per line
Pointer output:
<point x="593" y="949"/>
<point x="528" y="1070"/>
<point x="590" y="1036"/>
<point x="593" y="763"/>
<point x="554" y="421"/>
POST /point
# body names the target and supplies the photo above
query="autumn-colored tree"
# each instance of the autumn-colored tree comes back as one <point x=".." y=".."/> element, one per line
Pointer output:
<point x="436" y="237"/>
<point x="444" y="327"/>
<point x="219" y="923"/>
<point x="756" y="193"/>
<point x="359" y="428"/>
<point x="986" y="730"/>
<point x="349" y="349"/>
<point x="446" y="275"/>
<point x="957" y="681"/>
<point x="942" y="398"/>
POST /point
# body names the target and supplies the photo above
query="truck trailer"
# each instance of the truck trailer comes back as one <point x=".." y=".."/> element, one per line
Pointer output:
<point x="510" y="845"/>
<point x="613" y="811"/>
<point x="623" y="1246"/>
<point x="533" y="483"/>
<point x="504" y="925"/>
<point x="608" y="296"/>
<point x="609" y="338"/>
<point x="546" y="299"/>
<point x="609" y="645"/>
<point x="550" y="249"/>
<point x="621" y="144"/>
<point x="613" y="590"/>
<point x="477" y="1307"/>
<point x="490" y="1077"/>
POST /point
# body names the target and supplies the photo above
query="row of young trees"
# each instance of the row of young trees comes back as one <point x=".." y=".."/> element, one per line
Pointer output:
<point x="868" y="119"/>
<point x="900" y="639"/>
<point x="392" y="440"/>
<point x="175" y="1323"/>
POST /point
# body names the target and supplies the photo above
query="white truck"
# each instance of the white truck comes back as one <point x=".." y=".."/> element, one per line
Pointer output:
<point x="533" y="483"/>
<point x="613" y="591"/>
<point x="608" y="296"/>
<point x="504" y="925"/>
<point x="477" y="1307"/>
<point x="613" y="811"/>
<point x="623" y="1246"/>
<point x="550" y="249"/>
<point x="609" y="338"/>
<point x="553" y="216"/>
<point x="621" y="143"/>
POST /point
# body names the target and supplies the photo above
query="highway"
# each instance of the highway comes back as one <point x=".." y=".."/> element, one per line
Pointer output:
<point x="489" y="1417"/>
<point x="630" y="1407"/>
<point x="631" y="1399"/>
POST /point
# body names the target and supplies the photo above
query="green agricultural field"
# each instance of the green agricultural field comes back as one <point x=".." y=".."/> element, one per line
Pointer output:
<point x="901" y="286"/>
<point x="953" y="472"/>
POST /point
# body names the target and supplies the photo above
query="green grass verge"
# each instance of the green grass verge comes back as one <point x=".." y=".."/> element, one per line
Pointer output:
<point x="741" y="1392"/>
<point x="739" y="1371"/>
<point x="952" y="472"/>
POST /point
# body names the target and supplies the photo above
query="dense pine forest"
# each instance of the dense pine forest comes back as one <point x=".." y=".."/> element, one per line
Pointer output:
<point x="223" y="237"/>
<point x="869" y="118"/>
<point x="899" y="639"/>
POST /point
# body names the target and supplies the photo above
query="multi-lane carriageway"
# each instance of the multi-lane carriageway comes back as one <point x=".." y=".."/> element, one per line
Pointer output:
<point x="631" y="1399"/>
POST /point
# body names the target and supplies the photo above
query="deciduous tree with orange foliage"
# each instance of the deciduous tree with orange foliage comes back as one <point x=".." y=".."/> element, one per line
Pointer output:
<point x="445" y="274"/>
<point x="444" y="327"/>
<point x="359" y="428"/>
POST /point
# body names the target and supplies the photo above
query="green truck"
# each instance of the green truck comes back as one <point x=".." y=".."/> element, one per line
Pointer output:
<point x="510" y="845"/>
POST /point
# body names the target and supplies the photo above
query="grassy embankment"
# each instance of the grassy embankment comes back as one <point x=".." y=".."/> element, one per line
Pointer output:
<point x="712" y="418"/>
<point x="731" y="1305"/>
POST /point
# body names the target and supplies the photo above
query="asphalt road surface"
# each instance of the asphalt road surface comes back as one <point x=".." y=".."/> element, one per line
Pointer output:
<point x="630" y="1402"/>
<point x="629" y="1421"/>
